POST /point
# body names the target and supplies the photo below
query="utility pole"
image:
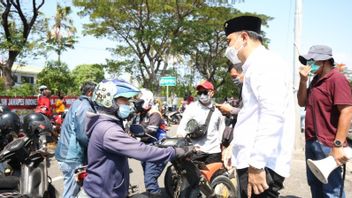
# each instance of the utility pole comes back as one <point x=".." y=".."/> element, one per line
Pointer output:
<point x="299" y="140"/>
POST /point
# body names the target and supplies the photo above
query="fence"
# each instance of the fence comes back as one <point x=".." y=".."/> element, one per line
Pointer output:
<point x="30" y="102"/>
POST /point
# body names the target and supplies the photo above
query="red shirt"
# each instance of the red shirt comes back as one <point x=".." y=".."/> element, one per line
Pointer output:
<point x="323" y="97"/>
<point x="44" y="101"/>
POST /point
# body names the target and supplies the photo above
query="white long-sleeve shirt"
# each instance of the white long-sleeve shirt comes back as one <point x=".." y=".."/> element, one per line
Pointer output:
<point x="211" y="142"/>
<point x="264" y="132"/>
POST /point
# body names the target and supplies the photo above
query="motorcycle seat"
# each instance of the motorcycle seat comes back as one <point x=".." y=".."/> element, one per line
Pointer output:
<point x="9" y="182"/>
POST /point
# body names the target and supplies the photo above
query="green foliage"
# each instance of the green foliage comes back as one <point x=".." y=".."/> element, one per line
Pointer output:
<point x="62" y="35"/>
<point x="153" y="36"/>
<point x="25" y="89"/>
<point x="82" y="73"/>
<point x="145" y="32"/>
<point x="56" y="76"/>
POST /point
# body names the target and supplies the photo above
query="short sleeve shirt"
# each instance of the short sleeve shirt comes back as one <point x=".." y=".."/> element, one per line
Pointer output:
<point x="322" y="115"/>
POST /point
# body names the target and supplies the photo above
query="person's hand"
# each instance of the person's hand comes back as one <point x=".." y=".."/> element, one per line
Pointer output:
<point x="256" y="181"/>
<point x="226" y="157"/>
<point x="182" y="152"/>
<point x="225" y="108"/>
<point x="339" y="155"/>
<point x="303" y="73"/>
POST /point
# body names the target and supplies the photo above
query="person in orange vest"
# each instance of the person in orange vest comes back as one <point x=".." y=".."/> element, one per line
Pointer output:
<point x="60" y="104"/>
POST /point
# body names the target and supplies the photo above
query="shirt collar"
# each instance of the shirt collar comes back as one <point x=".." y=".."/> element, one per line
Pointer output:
<point x="251" y="58"/>
<point x="326" y="76"/>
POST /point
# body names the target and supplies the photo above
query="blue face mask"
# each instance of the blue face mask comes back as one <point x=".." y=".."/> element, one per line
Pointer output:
<point x="124" y="111"/>
<point x="314" y="68"/>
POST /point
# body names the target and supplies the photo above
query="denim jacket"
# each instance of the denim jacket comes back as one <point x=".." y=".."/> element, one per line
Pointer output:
<point x="73" y="141"/>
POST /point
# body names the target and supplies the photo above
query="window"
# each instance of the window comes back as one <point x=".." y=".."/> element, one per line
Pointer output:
<point x="15" y="78"/>
<point x="27" y="79"/>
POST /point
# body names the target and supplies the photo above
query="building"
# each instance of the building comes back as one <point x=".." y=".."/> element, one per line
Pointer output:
<point x="25" y="74"/>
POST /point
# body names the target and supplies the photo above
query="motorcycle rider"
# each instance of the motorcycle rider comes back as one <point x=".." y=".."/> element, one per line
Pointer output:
<point x="208" y="144"/>
<point x="43" y="103"/>
<point x="72" y="144"/>
<point x="150" y="118"/>
<point x="110" y="146"/>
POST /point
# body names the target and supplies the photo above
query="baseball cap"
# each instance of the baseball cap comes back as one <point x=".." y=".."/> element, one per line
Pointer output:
<point x="316" y="53"/>
<point x="206" y="85"/>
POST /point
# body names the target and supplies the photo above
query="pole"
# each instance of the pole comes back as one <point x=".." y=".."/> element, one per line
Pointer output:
<point x="167" y="95"/>
<point x="299" y="137"/>
<point x="297" y="41"/>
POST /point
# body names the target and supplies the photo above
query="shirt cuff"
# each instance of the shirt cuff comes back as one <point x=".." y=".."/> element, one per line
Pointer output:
<point x="257" y="162"/>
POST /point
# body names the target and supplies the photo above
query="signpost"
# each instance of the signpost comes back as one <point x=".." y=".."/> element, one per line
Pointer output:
<point x="167" y="81"/>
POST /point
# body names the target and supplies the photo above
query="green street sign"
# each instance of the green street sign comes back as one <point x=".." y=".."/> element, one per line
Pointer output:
<point x="167" y="81"/>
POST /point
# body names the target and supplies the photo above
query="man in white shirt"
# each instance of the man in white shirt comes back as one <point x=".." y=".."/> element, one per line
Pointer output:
<point x="264" y="133"/>
<point x="209" y="143"/>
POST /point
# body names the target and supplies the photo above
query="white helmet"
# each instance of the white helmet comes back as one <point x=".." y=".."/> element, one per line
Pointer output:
<point x="42" y="87"/>
<point x="148" y="98"/>
<point x="108" y="90"/>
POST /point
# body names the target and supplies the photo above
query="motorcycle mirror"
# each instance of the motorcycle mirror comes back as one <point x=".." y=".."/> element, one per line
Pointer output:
<point x="137" y="130"/>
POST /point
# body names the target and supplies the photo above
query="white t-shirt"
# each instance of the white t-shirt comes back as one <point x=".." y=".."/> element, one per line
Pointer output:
<point x="211" y="142"/>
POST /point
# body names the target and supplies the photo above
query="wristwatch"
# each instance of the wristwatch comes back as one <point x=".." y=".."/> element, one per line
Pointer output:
<point x="337" y="143"/>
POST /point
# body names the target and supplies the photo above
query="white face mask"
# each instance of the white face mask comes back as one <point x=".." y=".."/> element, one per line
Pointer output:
<point x="232" y="53"/>
<point x="205" y="99"/>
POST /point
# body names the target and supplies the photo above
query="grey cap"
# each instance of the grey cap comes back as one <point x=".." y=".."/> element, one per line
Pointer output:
<point x="317" y="53"/>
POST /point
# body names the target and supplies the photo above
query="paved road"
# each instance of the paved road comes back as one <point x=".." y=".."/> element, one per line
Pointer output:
<point x="295" y="186"/>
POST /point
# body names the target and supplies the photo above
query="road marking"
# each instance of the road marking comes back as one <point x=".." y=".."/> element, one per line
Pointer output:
<point x="57" y="178"/>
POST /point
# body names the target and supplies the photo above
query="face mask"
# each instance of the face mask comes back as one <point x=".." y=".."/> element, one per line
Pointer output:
<point x="204" y="99"/>
<point x="231" y="53"/>
<point x="237" y="81"/>
<point x="314" y="68"/>
<point x="124" y="111"/>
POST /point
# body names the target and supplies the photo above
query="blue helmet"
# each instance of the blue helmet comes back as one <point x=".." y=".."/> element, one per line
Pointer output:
<point x="107" y="91"/>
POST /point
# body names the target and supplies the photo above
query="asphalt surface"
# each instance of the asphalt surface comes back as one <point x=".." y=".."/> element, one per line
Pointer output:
<point x="294" y="187"/>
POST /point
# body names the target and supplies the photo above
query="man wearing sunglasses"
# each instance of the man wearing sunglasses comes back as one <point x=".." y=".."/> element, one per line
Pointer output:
<point x="208" y="145"/>
<point x="328" y="103"/>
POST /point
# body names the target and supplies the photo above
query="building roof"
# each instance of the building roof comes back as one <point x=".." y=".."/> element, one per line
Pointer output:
<point x="25" y="69"/>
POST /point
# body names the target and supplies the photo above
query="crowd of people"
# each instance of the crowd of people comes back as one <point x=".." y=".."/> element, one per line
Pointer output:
<point x="254" y="134"/>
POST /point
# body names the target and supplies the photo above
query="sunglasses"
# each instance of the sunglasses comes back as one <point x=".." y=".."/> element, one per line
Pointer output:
<point x="205" y="92"/>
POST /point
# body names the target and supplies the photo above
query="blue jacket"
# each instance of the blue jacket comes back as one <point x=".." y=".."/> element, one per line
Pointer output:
<point x="73" y="141"/>
<point x="108" y="150"/>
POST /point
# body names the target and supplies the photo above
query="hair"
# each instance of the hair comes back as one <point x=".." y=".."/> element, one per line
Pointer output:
<point x="255" y="36"/>
<point x="237" y="67"/>
<point x="332" y="62"/>
<point x="87" y="86"/>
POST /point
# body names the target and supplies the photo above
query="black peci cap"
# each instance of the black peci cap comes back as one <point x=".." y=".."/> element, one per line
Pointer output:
<point x="243" y="23"/>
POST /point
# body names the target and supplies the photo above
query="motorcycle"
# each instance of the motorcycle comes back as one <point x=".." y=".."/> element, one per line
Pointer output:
<point x="25" y="164"/>
<point x="188" y="178"/>
<point x="81" y="173"/>
<point x="171" y="117"/>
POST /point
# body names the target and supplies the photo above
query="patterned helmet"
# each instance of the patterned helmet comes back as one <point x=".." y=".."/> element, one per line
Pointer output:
<point x="107" y="91"/>
<point x="148" y="98"/>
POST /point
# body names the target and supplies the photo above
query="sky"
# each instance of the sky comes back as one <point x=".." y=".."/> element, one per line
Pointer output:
<point x="325" y="22"/>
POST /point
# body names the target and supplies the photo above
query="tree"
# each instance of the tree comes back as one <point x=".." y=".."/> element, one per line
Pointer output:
<point x="17" y="27"/>
<point x="55" y="76"/>
<point x="206" y="42"/>
<point x="82" y="73"/>
<point x="62" y="35"/>
<point x="145" y="32"/>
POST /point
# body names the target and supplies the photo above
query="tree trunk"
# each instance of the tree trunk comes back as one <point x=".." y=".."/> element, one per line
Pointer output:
<point x="6" y="70"/>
